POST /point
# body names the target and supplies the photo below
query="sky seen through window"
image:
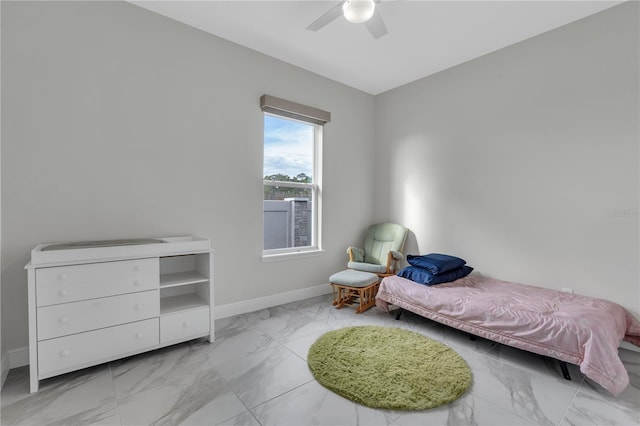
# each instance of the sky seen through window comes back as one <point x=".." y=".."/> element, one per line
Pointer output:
<point x="288" y="147"/>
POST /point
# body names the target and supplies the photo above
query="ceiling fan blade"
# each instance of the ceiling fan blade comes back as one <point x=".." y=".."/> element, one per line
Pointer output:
<point x="376" y="25"/>
<point x="327" y="17"/>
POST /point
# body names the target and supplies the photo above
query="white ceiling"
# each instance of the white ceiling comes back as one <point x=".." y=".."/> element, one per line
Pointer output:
<point x="424" y="36"/>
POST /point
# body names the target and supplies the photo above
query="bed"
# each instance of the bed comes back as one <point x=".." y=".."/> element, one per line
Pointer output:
<point x="571" y="328"/>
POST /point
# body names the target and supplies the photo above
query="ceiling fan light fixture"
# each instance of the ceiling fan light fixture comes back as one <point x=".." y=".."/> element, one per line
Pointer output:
<point x="358" y="11"/>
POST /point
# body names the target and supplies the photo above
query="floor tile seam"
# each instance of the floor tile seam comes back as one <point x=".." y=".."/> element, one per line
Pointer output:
<point x="538" y="372"/>
<point x="391" y="416"/>
<point x="517" y="364"/>
<point x="493" y="349"/>
<point x="285" y="312"/>
<point x="239" y="330"/>
<point x="254" y="417"/>
<point x="459" y="346"/>
<point x="531" y="421"/>
<point x="181" y="386"/>
<point x="295" y="354"/>
<point x="621" y="405"/>
<point x="155" y="421"/>
<point x="284" y="342"/>
<point x="10" y="387"/>
<point x="128" y="394"/>
<point x="279" y="395"/>
<point x="115" y="394"/>
<point x="564" y="415"/>
<point x="265" y="332"/>
<point x="539" y="375"/>
<point x="271" y="344"/>
<point x="252" y="328"/>
<point x="473" y="346"/>
<point x="232" y="390"/>
<point x="278" y="345"/>
<point x="437" y="328"/>
<point x="247" y="410"/>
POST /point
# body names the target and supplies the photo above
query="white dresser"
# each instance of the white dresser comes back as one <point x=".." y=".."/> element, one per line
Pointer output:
<point x="94" y="302"/>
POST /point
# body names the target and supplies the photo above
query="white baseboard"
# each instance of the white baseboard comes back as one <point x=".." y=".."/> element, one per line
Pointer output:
<point x="251" y="305"/>
<point x="18" y="357"/>
<point x="14" y="358"/>
<point x="4" y="368"/>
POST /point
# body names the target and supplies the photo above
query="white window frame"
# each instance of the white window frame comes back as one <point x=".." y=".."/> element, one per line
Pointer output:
<point x="318" y="118"/>
<point x="316" y="197"/>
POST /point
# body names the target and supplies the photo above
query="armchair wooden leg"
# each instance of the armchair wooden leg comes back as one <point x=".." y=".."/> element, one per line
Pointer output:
<point x="345" y="295"/>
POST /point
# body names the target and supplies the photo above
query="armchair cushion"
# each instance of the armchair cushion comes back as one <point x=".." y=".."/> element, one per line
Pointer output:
<point x="357" y="253"/>
<point x="383" y="247"/>
<point x="396" y="255"/>
<point x="381" y="239"/>
<point x="367" y="267"/>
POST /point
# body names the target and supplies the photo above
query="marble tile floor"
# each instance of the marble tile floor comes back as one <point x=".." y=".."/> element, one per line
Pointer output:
<point x="255" y="373"/>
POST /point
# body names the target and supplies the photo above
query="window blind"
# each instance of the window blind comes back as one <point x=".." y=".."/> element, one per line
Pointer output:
<point x="294" y="110"/>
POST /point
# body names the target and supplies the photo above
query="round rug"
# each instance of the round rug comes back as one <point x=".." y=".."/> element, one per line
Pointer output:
<point x="384" y="367"/>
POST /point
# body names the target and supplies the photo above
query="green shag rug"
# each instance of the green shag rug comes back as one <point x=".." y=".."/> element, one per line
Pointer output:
<point x="384" y="367"/>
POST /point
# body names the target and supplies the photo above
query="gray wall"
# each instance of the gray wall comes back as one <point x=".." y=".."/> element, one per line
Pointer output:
<point x="3" y="350"/>
<point x="121" y="123"/>
<point x="525" y="161"/>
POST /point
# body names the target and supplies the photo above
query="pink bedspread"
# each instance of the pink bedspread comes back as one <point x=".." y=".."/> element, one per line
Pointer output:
<point x="577" y="329"/>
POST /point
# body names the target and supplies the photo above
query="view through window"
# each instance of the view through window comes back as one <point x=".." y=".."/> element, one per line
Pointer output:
<point x="290" y="184"/>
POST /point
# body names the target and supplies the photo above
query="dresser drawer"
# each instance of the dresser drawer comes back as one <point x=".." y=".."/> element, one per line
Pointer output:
<point x="76" y="317"/>
<point x="64" y="284"/>
<point x="94" y="347"/>
<point x="184" y="325"/>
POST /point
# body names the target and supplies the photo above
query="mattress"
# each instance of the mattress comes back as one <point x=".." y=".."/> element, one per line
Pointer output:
<point x="573" y="328"/>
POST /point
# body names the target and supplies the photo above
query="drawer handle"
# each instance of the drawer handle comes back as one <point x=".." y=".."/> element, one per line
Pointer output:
<point x="137" y="282"/>
<point x="63" y="276"/>
<point x="139" y="336"/>
<point x="64" y="353"/>
<point x="63" y="293"/>
<point x="186" y="324"/>
<point x="136" y="268"/>
<point x="138" y="306"/>
<point x="64" y="320"/>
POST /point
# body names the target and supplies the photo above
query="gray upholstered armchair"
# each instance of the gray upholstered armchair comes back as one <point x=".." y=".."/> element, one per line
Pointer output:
<point x="383" y="246"/>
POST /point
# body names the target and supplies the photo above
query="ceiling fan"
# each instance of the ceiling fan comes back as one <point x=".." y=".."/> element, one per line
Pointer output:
<point x="356" y="11"/>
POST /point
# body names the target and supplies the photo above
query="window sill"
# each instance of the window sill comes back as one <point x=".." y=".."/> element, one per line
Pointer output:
<point x="292" y="255"/>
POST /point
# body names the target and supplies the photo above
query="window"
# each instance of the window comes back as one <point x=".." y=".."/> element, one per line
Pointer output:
<point x="291" y="176"/>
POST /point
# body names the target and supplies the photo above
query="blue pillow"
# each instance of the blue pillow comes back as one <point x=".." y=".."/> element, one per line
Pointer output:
<point x="422" y="276"/>
<point x="436" y="263"/>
